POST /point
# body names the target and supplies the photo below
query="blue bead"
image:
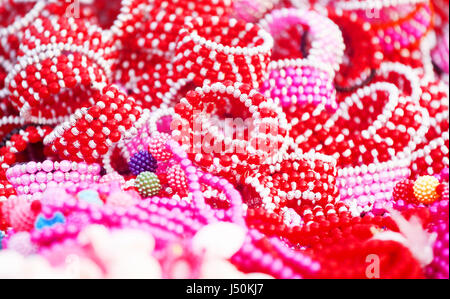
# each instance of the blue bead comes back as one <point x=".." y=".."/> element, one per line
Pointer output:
<point x="2" y="235"/>
<point x="90" y="196"/>
<point x="42" y="222"/>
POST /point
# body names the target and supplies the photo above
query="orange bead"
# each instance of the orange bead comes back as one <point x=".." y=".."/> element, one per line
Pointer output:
<point x="425" y="189"/>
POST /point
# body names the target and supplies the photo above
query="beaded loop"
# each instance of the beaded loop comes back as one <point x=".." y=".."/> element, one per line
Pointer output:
<point x="90" y="133"/>
<point x="211" y="49"/>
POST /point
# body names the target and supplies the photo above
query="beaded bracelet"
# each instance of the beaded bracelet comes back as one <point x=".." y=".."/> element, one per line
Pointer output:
<point x="433" y="98"/>
<point x="356" y="186"/>
<point x="267" y="137"/>
<point x="379" y="132"/>
<point x="113" y="117"/>
<point x="363" y="51"/>
<point x="327" y="45"/>
<point x="298" y="181"/>
<point x="212" y="49"/>
<point x="17" y="143"/>
<point x="373" y="191"/>
<point x="401" y="38"/>
<point x="32" y="178"/>
<point x="52" y="70"/>
<point x="300" y="82"/>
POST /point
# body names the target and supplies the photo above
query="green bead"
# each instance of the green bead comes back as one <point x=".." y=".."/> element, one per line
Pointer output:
<point x="148" y="184"/>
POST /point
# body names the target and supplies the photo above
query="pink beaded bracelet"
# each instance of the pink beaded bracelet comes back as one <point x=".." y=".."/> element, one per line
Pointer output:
<point x="33" y="178"/>
<point x="310" y="79"/>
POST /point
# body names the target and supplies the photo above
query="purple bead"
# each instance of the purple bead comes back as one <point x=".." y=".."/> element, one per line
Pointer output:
<point x="141" y="162"/>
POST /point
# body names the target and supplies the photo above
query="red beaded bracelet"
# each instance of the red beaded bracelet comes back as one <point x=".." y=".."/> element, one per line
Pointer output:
<point x="211" y="49"/>
<point x="258" y="134"/>
<point x="363" y="51"/>
<point x="59" y="60"/>
<point x="91" y="132"/>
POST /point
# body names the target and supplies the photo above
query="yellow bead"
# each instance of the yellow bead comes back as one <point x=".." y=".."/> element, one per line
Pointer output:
<point x="425" y="189"/>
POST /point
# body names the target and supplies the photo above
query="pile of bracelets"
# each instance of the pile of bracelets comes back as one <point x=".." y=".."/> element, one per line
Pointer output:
<point x="214" y="139"/>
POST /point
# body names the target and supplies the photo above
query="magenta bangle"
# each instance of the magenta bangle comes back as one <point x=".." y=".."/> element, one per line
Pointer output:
<point x="327" y="41"/>
<point x="308" y="80"/>
<point x="300" y="82"/>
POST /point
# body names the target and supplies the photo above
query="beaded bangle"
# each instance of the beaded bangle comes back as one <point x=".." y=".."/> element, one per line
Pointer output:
<point x="300" y="181"/>
<point x="327" y="44"/>
<point x="385" y="124"/>
<point x="267" y="137"/>
<point x="51" y="70"/>
<point x="212" y="49"/>
<point x="298" y="82"/>
<point x="433" y="98"/>
<point x="363" y="51"/>
<point x="32" y="179"/>
<point x="113" y="117"/>
<point x="362" y="186"/>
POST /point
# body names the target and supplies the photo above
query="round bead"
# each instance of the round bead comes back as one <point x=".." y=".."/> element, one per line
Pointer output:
<point x="148" y="184"/>
<point x="142" y="161"/>
<point x="425" y="189"/>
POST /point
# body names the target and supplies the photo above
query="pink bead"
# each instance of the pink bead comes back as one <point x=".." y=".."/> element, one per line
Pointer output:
<point x="75" y="177"/>
<point x="82" y="168"/>
<point x="34" y="187"/>
<point x="36" y="196"/>
<point x="65" y="166"/>
<point x="25" y="179"/>
<point x="52" y="184"/>
<point x="41" y="177"/>
<point x="47" y="165"/>
<point x="58" y="176"/>
<point x="31" y="167"/>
